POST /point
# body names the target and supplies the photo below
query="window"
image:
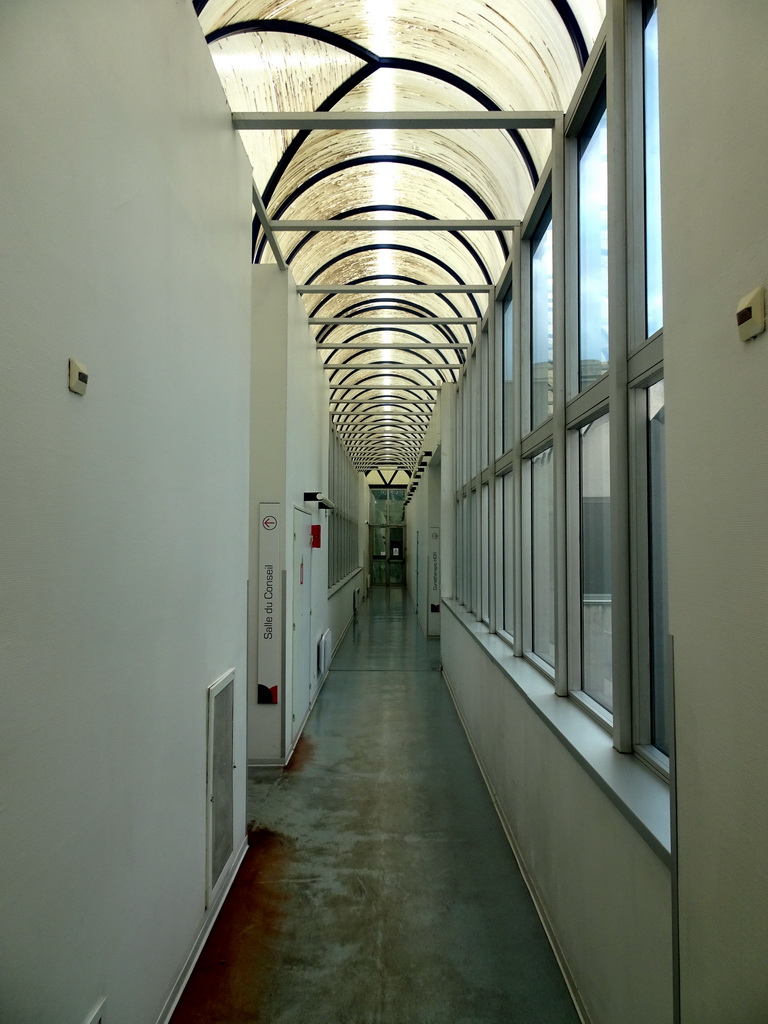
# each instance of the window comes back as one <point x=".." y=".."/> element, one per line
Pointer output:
<point x="576" y="564"/>
<point x="595" y="552"/>
<point x="541" y="321"/>
<point x="542" y="530"/>
<point x="659" y="733"/>
<point x="459" y="551"/>
<point x="593" y="245"/>
<point x="485" y="552"/>
<point x="508" y="375"/>
<point x="474" y="434"/>
<point x="483" y="404"/>
<point x="474" y="552"/>
<point x="342" y="523"/>
<point x="509" y="560"/>
<point x="653" y="290"/>
<point x="468" y="554"/>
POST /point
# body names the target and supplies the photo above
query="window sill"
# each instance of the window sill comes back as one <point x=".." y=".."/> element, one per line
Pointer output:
<point x="344" y="581"/>
<point x="633" y="788"/>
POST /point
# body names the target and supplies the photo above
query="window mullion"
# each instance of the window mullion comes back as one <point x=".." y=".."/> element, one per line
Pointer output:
<point x="618" y="267"/>
<point x="491" y="352"/>
<point x="558" y="407"/>
<point x="519" y="334"/>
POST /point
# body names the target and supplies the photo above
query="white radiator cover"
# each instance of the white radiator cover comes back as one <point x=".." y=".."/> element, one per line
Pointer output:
<point x="324" y="652"/>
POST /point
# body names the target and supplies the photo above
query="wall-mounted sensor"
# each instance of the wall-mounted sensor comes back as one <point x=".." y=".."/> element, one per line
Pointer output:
<point x="78" y="377"/>
<point x="750" y="314"/>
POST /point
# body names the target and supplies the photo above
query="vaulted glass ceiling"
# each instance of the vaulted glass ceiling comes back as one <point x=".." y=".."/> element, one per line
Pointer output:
<point x="412" y="294"/>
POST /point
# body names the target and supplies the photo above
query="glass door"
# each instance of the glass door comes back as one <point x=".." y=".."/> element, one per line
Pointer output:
<point x="387" y="556"/>
<point x="387" y="515"/>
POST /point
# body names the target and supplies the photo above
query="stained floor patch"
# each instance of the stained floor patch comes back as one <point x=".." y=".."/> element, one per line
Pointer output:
<point x="232" y="977"/>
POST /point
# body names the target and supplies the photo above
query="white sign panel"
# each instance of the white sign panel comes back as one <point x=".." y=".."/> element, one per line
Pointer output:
<point x="269" y="667"/>
<point x="433" y="584"/>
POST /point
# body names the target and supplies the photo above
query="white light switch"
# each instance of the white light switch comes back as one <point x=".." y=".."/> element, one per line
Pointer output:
<point x="78" y="377"/>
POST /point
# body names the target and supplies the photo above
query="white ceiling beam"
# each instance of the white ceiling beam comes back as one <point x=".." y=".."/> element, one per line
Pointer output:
<point x="389" y="425"/>
<point x="376" y="440"/>
<point x="405" y="321"/>
<point x="380" y="454"/>
<point x="385" y="387"/>
<point x="403" y="408"/>
<point x="392" y="419"/>
<point x="383" y="451"/>
<point x="396" y="401"/>
<point x="367" y="120"/>
<point x="386" y="289"/>
<point x="261" y="213"/>
<point x="394" y="225"/>
<point x="375" y="346"/>
<point x="387" y="365"/>
<point x="381" y="419"/>
<point x="388" y="442"/>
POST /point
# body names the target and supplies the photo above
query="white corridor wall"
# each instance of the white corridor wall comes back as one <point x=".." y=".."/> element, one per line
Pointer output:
<point x="714" y="152"/>
<point x="125" y="208"/>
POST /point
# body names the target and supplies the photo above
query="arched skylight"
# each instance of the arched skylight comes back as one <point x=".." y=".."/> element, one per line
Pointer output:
<point x="371" y="56"/>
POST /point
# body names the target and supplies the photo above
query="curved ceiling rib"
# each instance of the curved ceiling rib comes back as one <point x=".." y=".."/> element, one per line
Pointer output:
<point x="406" y="333"/>
<point x="394" y="319"/>
<point x="390" y="208"/>
<point x="563" y="8"/>
<point x="377" y="280"/>
<point x="439" y="298"/>
<point x="381" y="246"/>
<point x="373" y="62"/>
<point x="353" y="163"/>
<point x="359" y="309"/>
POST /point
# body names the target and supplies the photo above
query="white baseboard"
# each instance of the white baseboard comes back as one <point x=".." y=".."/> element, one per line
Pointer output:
<point x="527" y="877"/>
<point x="197" y="947"/>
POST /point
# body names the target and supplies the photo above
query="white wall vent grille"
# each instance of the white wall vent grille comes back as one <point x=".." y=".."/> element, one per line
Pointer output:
<point x="221" y="701"/>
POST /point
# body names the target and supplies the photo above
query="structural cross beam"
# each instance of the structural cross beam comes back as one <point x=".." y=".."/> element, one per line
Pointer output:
<point x="385" y="387"/>
<point x="365" y="120"/>
<point x="263" y="219"/>
<point x="390" y="419"/>
<point x="376" y="346"/>
<point x="404" y="321"/>
<point x="391" y="289"/>
<point x="394" y="225"/>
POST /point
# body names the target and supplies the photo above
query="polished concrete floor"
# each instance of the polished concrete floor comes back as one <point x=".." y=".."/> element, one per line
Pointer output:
<point x="379" y="887"/>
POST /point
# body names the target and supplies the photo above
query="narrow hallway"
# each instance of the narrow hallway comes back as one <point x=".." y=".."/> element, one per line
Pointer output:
<point x="379" y="886"/>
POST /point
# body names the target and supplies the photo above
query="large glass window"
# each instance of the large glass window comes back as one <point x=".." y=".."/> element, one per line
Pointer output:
<point x="658" y="566"/>
<point x="459" y="550"/>
<point x="473" y="415"/>
<point x="542" y="320"/>
<point x="595" y="549"/>
<point x="485" y="552"/>
<point x="553" y="437"/>
<point x="466" y="553"/>
<point x="653" y="288"/>
<point x="474" y="552"/>
<point x="593" y="246"/>
<point x="508" y="549"/>
<point x="387" y="506"/>
<point x="342" y="524"/>
<point x="482" y="402"/>
<point x="508" y="375"/>
<point x="543" y="557"/>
